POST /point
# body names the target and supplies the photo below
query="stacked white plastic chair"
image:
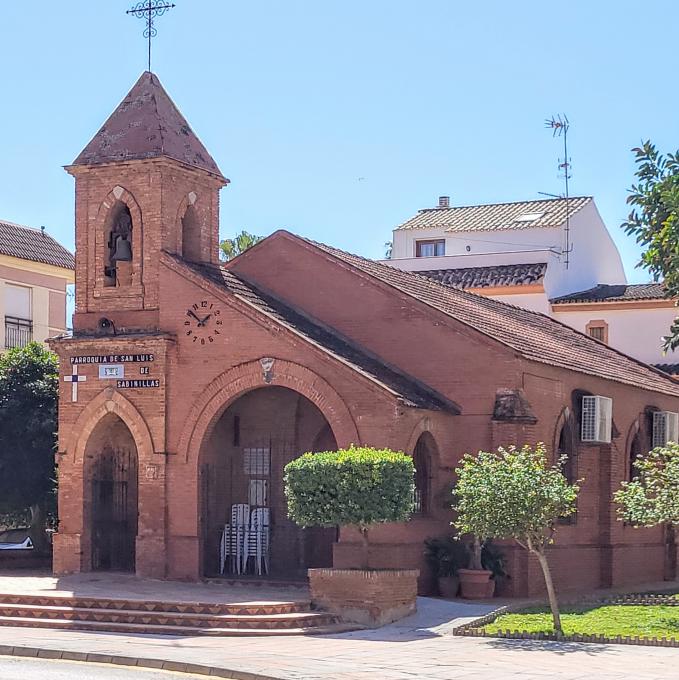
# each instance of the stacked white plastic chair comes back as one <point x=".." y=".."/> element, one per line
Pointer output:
<point x="257" y="540"/>
<point x="234" y="537"/>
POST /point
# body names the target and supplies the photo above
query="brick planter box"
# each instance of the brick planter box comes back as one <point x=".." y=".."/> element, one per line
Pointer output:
<point x="372" y="597"/>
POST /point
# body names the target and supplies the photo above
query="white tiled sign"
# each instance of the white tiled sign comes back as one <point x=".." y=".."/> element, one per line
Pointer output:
<point x="111" y="371"/>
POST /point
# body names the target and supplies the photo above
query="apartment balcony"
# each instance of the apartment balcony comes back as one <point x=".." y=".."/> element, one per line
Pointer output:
<point x="18" y="332"/>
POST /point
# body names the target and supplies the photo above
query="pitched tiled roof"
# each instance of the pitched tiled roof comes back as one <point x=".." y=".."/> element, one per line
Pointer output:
<point x="147" y="124"/>
<point x="405" y="388"/>
<point x="532" y="335"/>
<point x="672" y="369"/>
<point x="497" y="216"/>
<point x="33" y="244"/>
<point x="485" y="277"/>
<point x="623" y="292"/>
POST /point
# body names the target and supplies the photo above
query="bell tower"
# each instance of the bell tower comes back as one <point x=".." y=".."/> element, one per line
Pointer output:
<point x="145" y="183"/>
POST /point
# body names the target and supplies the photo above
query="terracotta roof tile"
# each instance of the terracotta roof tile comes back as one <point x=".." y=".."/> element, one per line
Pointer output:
<point x="147" y="124"/>
<point x="532" y="335"/>
<point x="405" y="388"/>
<point x="485" y="277"/>
<point x="615" y="293"/>
<point x="549" y="213"/>
<point x="27" y="243"/>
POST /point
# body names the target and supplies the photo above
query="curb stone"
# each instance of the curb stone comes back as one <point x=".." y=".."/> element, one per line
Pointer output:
<point x="151" y="664"/>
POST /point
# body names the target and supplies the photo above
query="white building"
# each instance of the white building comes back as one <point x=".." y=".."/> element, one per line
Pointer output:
<point x="529" y="254"/>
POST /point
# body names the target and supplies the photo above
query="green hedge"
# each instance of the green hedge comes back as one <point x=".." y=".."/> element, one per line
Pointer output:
<point x="359" y="485"/>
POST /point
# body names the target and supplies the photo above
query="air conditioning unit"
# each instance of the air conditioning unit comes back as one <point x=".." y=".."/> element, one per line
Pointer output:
<point x="597" y="416"/>
<point x="665" y="427"/>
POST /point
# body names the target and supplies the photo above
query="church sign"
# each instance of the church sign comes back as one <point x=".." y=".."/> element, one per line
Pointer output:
<point x="112" y="358"/>
<point x="126" y="384"/>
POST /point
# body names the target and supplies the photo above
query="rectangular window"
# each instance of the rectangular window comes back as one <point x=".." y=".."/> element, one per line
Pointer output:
<point x="18" y="302"/>
<point x="597" y="330"/>
<point x="256" y="461"/>
<point x="18" y="332"/>
<point x="430" y="248"/>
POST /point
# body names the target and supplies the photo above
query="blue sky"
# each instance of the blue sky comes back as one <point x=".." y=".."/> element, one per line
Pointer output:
<point x="338" y="120"/>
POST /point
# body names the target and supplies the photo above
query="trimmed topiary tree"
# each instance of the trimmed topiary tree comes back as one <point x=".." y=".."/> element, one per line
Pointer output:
<point x="514" y="493"/>
<point x="357" y="486"/>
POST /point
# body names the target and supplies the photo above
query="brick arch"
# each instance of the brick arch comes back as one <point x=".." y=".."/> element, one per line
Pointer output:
<point x="423" y="425"/>
<point x="232" y="384"/>
<point x="122" y="195"/>
<point x="109" y="401"/>
<point x="634" y="430"/>
<point x="181" y="211"/>
<point x="565" y="418"/>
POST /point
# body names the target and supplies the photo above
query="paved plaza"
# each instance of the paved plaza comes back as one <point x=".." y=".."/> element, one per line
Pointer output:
<point x="420" y="647"/>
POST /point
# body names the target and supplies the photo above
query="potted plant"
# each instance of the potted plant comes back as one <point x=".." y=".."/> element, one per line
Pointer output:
<point x="358" y="486"/>
<point x="445" y="556"/>
<point x="476" y="582"/>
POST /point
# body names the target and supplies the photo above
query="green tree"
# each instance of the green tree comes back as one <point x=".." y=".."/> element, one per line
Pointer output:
<point x="357" y="486"/>
<point x="652" y="497"/>
<point x="514" y="494"/>
<point x="29" y="379"/>
<point x="654" y="220"/>
<point x="232" y="247"/>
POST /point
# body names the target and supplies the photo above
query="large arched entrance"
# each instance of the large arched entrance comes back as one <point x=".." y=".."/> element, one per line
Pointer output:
<point x="245" y="530"/>
<point x="112" y="487"/>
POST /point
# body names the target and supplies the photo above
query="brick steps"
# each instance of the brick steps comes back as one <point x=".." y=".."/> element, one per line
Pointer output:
<point x="170" y="618"/>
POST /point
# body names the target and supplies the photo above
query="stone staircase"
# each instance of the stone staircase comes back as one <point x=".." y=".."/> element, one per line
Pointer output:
<point x="166" y="618"/>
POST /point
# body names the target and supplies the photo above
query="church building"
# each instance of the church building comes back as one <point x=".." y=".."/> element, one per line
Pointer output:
<point x="188" y="384"/>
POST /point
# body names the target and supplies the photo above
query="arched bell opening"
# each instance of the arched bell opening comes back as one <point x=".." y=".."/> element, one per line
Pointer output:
<point x="245" y="530"/>
<point x="118" y="255"/>
<point x="111" y="474"/>
<point x="191" y="235"/>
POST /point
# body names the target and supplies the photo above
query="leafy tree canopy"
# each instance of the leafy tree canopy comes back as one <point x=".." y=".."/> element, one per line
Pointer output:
<point x="512" y="493"/>
<point x="232" y="247"/>
<point x="359" y="486"/>
<point x="653" y="496"/>
<point x="28" y="424"/>
<point x="654" y="220"/>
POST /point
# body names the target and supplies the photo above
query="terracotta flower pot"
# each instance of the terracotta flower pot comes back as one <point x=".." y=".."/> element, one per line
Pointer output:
<point x="448" y="586"/>
<point x="476" y="584"/>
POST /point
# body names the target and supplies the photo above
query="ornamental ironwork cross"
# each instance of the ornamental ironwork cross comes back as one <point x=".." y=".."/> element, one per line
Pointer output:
<point x="149" y="10"/>
<point x="75" y="379"/>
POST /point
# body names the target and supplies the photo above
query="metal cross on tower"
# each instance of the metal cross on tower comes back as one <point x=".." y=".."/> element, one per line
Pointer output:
<point x="149" y="10"/>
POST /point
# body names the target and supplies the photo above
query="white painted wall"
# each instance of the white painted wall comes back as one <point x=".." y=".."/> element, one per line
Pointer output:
<point x="594" y="257"/>
<point x="634" y="331"/>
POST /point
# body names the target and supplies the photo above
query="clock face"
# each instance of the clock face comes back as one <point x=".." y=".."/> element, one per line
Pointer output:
<point x="203" y="323"/>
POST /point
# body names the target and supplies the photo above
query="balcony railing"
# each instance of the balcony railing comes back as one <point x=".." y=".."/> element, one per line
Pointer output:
<point x="18" y="332"/>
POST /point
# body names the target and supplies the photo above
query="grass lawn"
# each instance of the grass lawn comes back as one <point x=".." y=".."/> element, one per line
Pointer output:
<point x="610" y="620"/>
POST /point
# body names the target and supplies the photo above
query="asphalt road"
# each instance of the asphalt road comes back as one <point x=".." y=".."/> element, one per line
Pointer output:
<point x="13" y="668"/>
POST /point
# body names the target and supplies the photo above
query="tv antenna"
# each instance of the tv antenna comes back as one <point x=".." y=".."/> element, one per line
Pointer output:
<point x="559" y="125"/>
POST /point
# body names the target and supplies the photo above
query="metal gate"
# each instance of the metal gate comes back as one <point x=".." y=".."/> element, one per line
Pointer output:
<point x="253" y="475"/>
<point x="114" y="510"/>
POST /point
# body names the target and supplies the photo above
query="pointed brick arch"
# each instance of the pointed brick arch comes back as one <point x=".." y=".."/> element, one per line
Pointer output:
<point x="109" y="401"/>
<point x="225" y="389"/>
<point x="118" y="195"/>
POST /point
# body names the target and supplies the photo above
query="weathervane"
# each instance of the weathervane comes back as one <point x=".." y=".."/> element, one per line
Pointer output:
<point x="559" y="125"/>
<point x="149" y="10"/>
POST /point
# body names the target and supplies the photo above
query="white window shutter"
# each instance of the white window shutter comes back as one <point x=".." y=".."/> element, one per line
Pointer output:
<point x="665" y="427"/>
<point x="597" y="418"/>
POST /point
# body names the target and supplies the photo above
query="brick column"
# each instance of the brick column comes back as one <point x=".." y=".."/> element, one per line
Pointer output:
<point x="151" y="533"/>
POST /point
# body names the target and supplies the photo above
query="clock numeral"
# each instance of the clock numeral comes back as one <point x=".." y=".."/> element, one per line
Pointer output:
<point x="189" y="332"/>
<point x="219" y="322"/>
<point x="187" y="323"/>
<point x="195" y="337"/>
<point x="195" y="306"/>
<point x="202" y="341"/>
<point x="218" y="312"/>
<point x="217" y="332"/>
<point x="203" y="303"/>
<point x="211" y="339"/>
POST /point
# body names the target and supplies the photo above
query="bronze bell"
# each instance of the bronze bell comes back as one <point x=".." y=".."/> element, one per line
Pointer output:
<point x="123" y="250"/>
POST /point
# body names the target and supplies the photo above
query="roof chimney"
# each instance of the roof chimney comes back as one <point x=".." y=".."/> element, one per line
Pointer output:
<point x="444" y="201"/>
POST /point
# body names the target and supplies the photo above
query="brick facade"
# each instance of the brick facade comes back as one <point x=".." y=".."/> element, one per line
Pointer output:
<point x="202" y="373"/>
